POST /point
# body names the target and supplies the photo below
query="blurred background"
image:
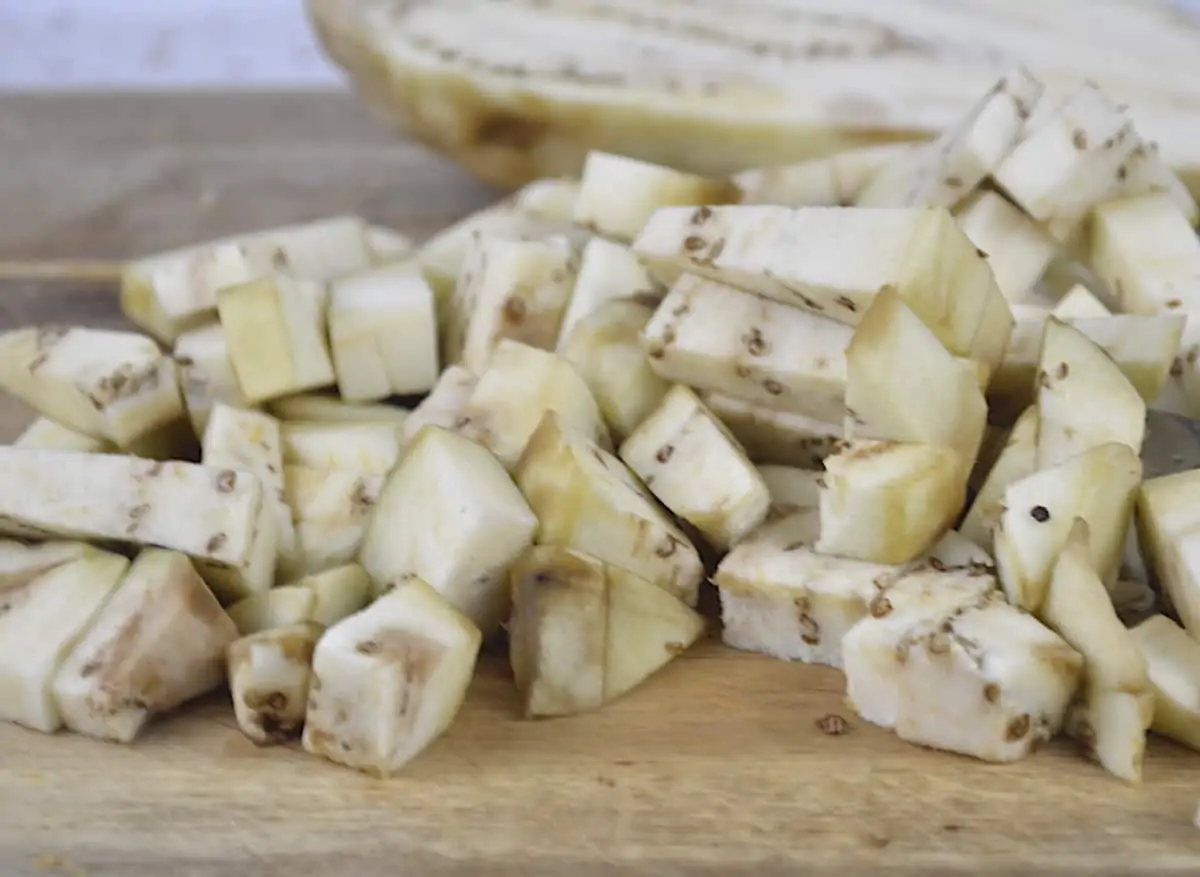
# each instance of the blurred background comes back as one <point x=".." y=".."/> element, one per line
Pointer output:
<point x="321" y="152"/>
<point x="112" y="44"/>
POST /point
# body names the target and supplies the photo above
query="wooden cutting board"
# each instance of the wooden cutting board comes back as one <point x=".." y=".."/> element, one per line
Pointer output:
<point x="716" y="766"/>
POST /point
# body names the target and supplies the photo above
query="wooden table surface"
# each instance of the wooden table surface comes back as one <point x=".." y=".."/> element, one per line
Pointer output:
<point x="714" y="767"/>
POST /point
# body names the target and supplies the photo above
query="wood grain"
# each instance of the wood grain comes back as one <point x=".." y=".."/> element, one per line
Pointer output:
<point x="714" y="767"/>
